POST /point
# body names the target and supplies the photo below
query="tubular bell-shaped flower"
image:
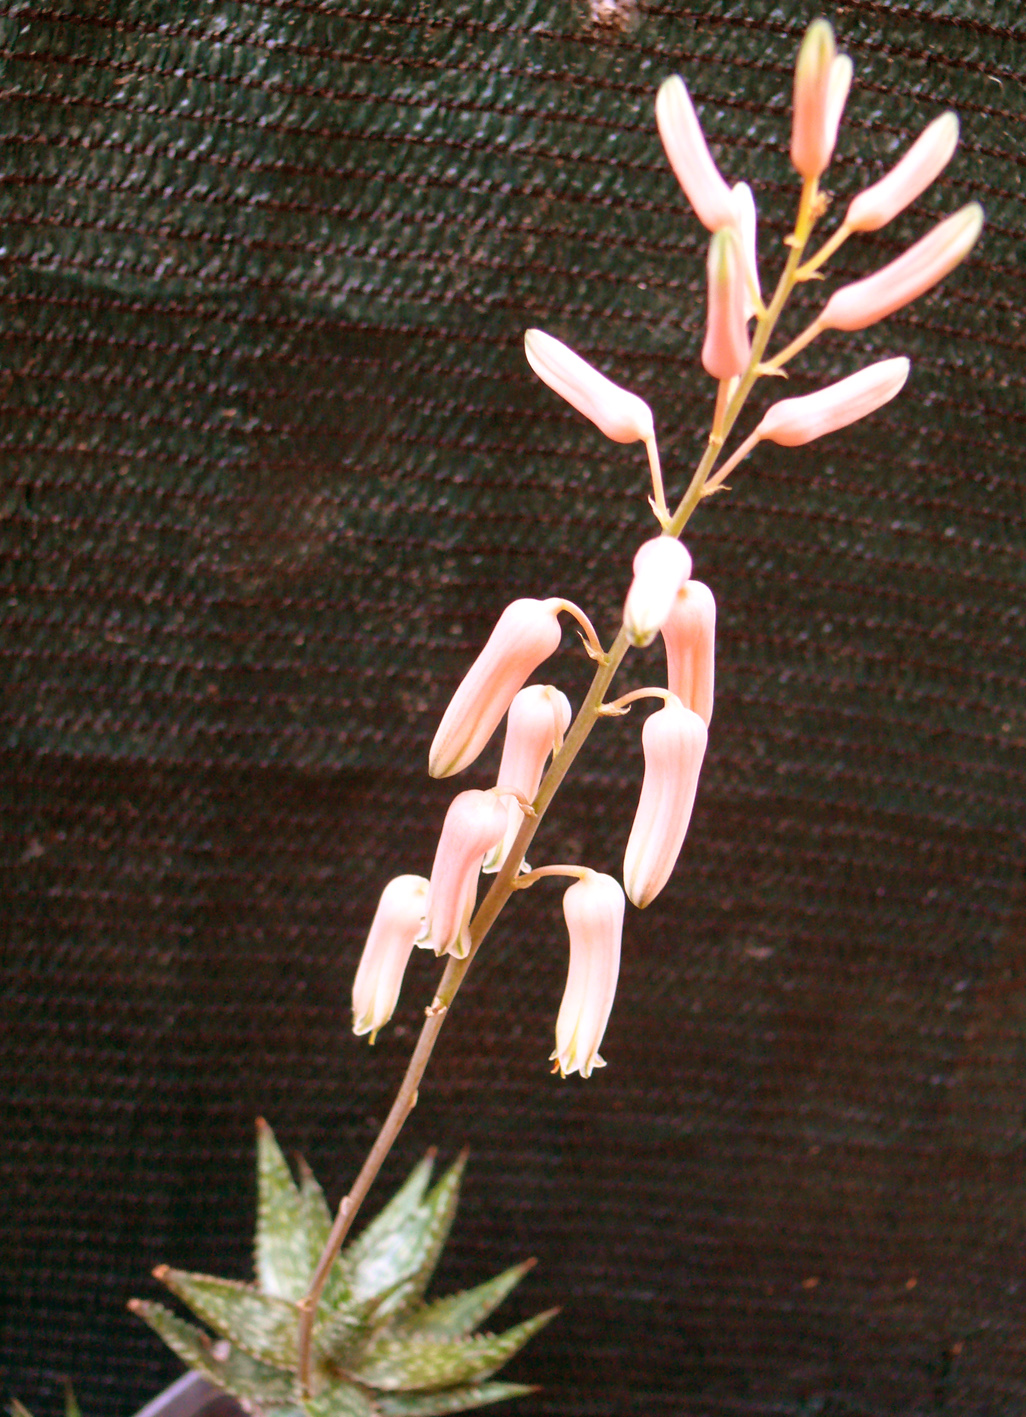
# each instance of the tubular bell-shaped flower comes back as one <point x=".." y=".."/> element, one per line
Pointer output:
<point x="686" y="148"/>
<point x="690" y="638"/>
<point x="674" y="741"/>
<point x="620" y="415"/>
<point x="925" y="160"/>
<point x="538" y="718"/>
<point x="726" y="350"/>
<point x="862" y="303"/>
<point x="393" y="930"/>
<point x="746" y="223"/>
<point x="794" y="421"/>
<point x="525" y="634"/>
<point x="661" y="566"/>
<point x="822" y="78"/>
<point x="593" y="907"/>
<point x="474" y="824"/>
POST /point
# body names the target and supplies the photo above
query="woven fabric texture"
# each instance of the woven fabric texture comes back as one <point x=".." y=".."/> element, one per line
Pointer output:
<point x="272" y="464"/>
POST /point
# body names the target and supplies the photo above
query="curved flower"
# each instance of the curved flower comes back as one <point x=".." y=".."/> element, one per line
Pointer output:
<point x="746" y="223"/>
<point x="386" y="954"/>
<point x="686" y="148"/>
<point x="822" y="78"/>
<point x="925" y="160"/>
<point x="619" y="414"/>
<point x="593" y="908"/>
<point x="538" y="718"/>
<point x="525" y="634"/>
<point x="674" y="741"/>
<point x="661" y="566"/>
<point x="726" y="351"/>
<point x="474" y="824"/>
<point x="689" y="635"/>
<point x="794" y="421"/>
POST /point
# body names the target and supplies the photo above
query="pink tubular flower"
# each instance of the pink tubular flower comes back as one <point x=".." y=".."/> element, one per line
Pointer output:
<point x="925" y="160"/>
<point x="690" y="638"/>
<point x="526" y="633"/>
<point x="387" y="951"/>
<point x="538" y="718"/>
<point x="726" y="350"/>
<point x="855" y="306"/>
<point x="661" y="566"/>
<point x="674" y="741"/>
<point x="474" y="824"/>
<point x="822" y="78"/>
<point x="689" y="157"/>
<point x="619" y="414"/>
<point x="593" y="907"/>
<point x="745" y="224"/>
<point x="795" y="421"/>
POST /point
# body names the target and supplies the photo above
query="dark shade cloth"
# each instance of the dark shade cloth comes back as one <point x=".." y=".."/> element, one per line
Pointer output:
<point x="273" y="462"/>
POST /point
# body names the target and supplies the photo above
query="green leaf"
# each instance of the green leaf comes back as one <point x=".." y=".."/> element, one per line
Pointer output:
<point x="282" y="1250"/>
<point x="263" y="1326"/>
<point x="335" y="1333"/>
<point x="318" y="1220"/>
<point x="235" y="1372"/>
<point x="397" y="1364"/>
<point x="454" y="1399"/>
<point x="340" y="1400"/>
<point x="71" y="1407"/>
<point x="457" y="1315"/>
<point x="403" y="1205"/>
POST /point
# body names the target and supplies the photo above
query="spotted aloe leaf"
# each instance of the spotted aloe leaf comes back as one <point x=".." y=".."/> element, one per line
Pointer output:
<point x="340" y="1399"/>
<point x="362" y="1255"/>
<point x="262" y="1325"/>
<point x="397" y="1364"/>
<point x="459" y="1314"/>
<point x="453" y="1399"/>
<point x="233" y="1370"/>
<point x="282" y="1249"/>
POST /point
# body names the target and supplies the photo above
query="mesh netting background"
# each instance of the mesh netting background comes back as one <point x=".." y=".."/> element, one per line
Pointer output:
<point x="272" y="464"/>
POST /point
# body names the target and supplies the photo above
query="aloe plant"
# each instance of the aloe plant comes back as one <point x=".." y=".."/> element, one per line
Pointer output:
<point x="379" y="1348"/>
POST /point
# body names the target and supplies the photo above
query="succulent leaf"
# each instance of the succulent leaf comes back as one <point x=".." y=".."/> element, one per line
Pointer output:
<point x="261" y="1325"/>
<point x="457" y="1315"/>
<point x="71" y="1407"/>
<point x="454" y="1399"/>
<point x="244" y="1377"/>
<point x="338" y="1331"/>
<point x="396" y="1364"/>
<point x="282" y="1250"/>
<point x="404" y="1204"/>
<point x="340" y="1399"/>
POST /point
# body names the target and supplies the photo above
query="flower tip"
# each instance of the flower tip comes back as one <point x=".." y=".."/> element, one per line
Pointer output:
<point x="685" y="147"/>
<point x="822" y="78"/>
<point x="622" y="416"/>
<point x="661" y="566"/>
<point x="925" y="160"/>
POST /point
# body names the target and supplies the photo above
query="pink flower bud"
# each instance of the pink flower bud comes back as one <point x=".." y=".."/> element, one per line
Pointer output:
<point x="726" y="350"/>
<point x="690" y="638"/>
<point x="393" y="930"/>
<point x="689" y="156"/>
<point x="926" y="159"/>
<point x="795" y="421"/>
<point x="822" y="78"/>
<point x="674" y="741"/>
<point x="661" y="566"/>
<point x="619" y="414"/>
<point x="745" y="224"/>
<point x="593" y="907"/>
<point x="474" y="824"/>
<point x="538" y="718"/>
<point x="526" y="633"/>
<point x="855" y="306"/>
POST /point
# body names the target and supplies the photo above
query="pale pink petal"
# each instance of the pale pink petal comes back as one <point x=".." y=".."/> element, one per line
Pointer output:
<point x="620" y="415"/>
<point x="821" y="82"/>
<point x="689" y="156"/>
<point x="925" y="160"/>
<point x="799" y="420"/>
<point x="393" y="930"/>
<point x="593" y="907"/>
<point x="474" y="824"/>
<point x="661" y="566"/>
<point x="746" y="222"/>
<point x="690" y="638"/>
<point x="726" y="350"/>
<point x="674" y="741"/>
<point x="538" y="718"/>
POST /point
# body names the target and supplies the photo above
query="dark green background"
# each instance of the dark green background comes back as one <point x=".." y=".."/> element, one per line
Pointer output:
<point x="273" y="462"/>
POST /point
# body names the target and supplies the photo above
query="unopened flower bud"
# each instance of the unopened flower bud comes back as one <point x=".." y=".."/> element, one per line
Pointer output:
<point x="822" y="78"/>
<point x="799" y="420"/>
<point x="726" y="351"/>
<point x="526" y="633"/>
<point x="474" y="824"/>
<point x="745" y="224"/>
<point x="925" y="160"/>
<point x="393" y="930"/>
<point x="690" y="638"/>
<point x="661" y="566"/>
<point x="855" y="306"/>
<point x="619" y="414"/>
<point x="674" y="741"/>
<point x="593" y="907"/>
<point x="689" y="156"/>
<point x="538" y="718"/>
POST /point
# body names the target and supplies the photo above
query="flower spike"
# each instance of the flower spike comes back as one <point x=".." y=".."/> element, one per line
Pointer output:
<point x="822" y="78"/>
<point x="525" y="634"/>
<point x="474" y="824"/>
<point x="925" y="160"/>
<point x="593" y="908"/>
<point x="674" y="741"/>
<point x="726" y="350"/>
<point x="620" y="415"/>
<point x="794" y="421"/>
<point x="661" y="566"/>
<point x="386" y="954"/>
<point x="538" y="718"/>
<point x="685" y="146"/>
<point x="689" y="635"/>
